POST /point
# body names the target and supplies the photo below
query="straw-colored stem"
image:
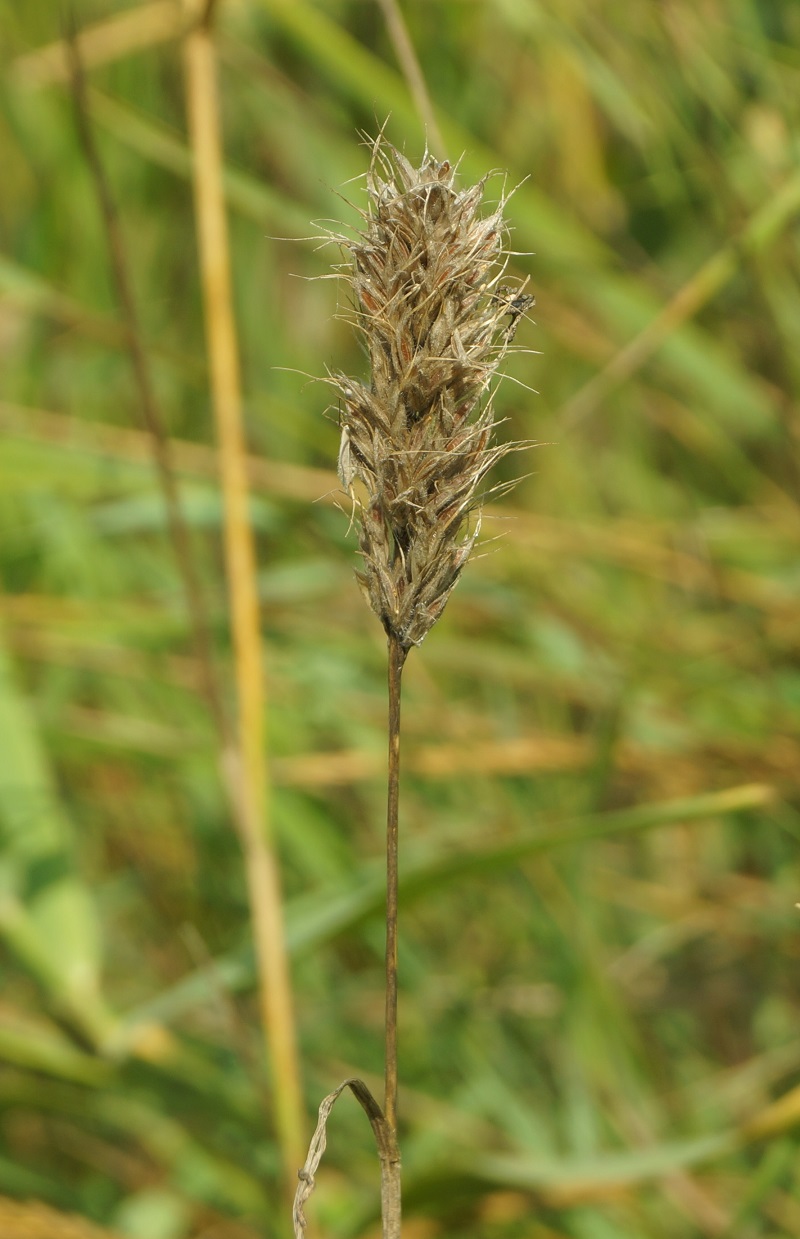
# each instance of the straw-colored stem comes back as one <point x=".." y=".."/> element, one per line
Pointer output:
<point x="248" y="771"/>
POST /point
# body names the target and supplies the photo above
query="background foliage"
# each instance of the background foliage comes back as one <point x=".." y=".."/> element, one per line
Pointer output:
<point x="598" y="1038"/>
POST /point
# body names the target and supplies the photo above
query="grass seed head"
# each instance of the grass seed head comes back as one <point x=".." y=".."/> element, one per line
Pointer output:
<point x="425" y="275"/>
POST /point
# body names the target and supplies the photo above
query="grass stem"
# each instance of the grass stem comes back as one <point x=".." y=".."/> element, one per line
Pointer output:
<point x="390" y="1157"/>
<point x="397" y="658"/>
<point x="247" y="768"/>
<point x="412" y="71"/>
<point x="151" y="415"/>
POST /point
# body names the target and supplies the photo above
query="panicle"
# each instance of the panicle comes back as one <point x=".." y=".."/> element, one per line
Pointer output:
<point x="418" y="436"/>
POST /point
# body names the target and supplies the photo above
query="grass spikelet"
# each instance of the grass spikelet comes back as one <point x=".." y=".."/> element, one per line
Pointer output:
<point x="425" y="276"/>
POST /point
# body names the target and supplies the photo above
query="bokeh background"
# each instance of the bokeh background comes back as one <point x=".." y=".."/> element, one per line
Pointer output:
<point x="599" y="942"/>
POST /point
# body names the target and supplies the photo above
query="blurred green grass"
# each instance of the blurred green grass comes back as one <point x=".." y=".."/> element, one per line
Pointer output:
<point x="591" y="1035"/>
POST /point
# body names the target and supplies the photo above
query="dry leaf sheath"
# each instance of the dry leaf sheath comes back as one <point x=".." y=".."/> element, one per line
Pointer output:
<point x="425" y="275"/>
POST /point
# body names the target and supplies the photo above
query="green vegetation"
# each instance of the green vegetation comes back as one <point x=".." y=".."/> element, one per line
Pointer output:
<point x="600" y="815"/>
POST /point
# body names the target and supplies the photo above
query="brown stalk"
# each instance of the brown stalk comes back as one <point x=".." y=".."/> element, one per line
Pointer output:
<point x="246" y="768"/>
<point x="397" y="658"/>
<point x="390" y="1164"/>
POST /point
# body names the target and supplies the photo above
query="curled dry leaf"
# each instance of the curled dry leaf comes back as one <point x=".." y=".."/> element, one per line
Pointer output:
<point x="387" y="1148"/>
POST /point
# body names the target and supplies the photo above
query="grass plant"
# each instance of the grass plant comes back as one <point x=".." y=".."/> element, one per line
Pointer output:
<point x="424" y="276"/>
<point x="597" y="940"/>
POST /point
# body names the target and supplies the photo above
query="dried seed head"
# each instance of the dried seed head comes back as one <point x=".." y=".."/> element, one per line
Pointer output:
<point x="424" y="274"/>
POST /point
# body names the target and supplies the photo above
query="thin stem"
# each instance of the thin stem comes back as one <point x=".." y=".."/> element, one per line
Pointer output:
<point x="397" y="657"/>
<point x="99" y="43"/>
<point x="151" y="415"/>
<point x="412" y="71"/>
<point x="390" y="1156"/>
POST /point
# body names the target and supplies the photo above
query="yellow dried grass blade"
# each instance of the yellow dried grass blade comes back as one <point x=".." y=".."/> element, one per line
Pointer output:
<point x="247" y="769"/>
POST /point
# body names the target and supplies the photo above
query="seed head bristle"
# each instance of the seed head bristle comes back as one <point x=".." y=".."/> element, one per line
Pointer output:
<point x="425" y="277"/>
